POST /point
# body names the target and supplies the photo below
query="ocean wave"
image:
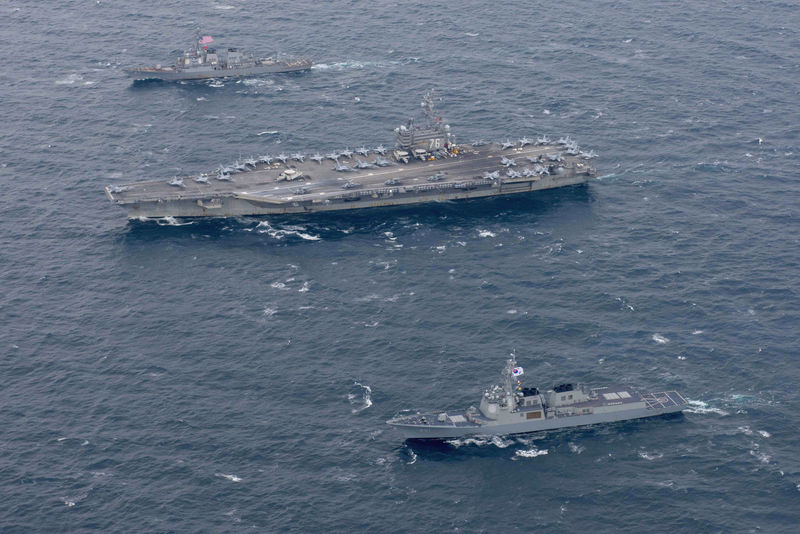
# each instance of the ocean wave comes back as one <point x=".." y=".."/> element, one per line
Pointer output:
<point x="703" y="408"/>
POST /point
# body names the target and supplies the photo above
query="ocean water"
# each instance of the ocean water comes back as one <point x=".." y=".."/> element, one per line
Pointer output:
<point x="236" y="375"/>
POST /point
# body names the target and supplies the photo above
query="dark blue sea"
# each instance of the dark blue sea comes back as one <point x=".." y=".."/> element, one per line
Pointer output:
<point x="236" y="375"/>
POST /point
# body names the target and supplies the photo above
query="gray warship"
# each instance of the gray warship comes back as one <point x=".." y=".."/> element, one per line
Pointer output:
<point x="205" y="61"/>
<point x="510" y="408"/>
<point x="425" y="165"/>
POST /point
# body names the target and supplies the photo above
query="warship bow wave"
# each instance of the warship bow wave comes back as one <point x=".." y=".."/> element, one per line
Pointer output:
<point x="205" y="61"/>
<point x="426" y="165"/>
<point x="510" y="408"/>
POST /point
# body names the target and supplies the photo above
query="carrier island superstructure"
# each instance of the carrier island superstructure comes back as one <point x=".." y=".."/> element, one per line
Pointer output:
<point x="425" y="165"/>
<point x="511" y="408"/>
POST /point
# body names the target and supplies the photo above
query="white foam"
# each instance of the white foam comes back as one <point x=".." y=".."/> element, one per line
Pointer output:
<point x="279" y="233"/>
<point x="232" y="478"/>
<point x="224" y="7"/>
<point x="763" y="458"/>
<point x="471" y="34"/>
<point x="278" y="285"/>
<point x="658" y="338"/>
<point x="362" y="401"/>
<point x="530" y="453"/>
<point x="764" y="434"/>
<point x="171" y="221"/>
<point x="651" y="457"/>
<point x="577" y="449"/>
<point x="703" y="408"/>
<point x="269" y="312"/>
<point x="305" y="288"/>
<point x="486" y="233"/>
<point x="268" y="132"/>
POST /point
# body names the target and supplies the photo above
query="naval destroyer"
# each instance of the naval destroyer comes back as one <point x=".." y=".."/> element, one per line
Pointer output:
<point x="425" y="165"/>
<point x="207" y="61"/>
<point x="510" y="408"/>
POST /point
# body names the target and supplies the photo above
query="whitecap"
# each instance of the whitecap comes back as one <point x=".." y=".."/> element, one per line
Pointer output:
<point x="360" y="397"/>
<point x="232" y="478"/>
<point x="486" y="233"/>
<point x="264" y="227"/>
<point x="697" y="332"/>
<point x="651" y="457"/>
<point x="305" y="288"/>
<point x="72" y="79"/>
<point x="269" y="312"/>
<point x="278" y="285"/>
<point x="171" y="221"/>
<point x="577" y="449"/>
<point x="268" y="132"/>
<point x="764" y="434"/>
<point x="763" y="458"/>
<point x="703" y="408"/>
<point x="471" y="34"/>
<point x="224" y="7"/>
<point x="530" y="453"/>
<point x="658" y="338"/>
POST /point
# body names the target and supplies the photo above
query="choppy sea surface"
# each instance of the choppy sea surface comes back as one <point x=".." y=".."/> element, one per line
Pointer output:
<point x="236" y="375"/>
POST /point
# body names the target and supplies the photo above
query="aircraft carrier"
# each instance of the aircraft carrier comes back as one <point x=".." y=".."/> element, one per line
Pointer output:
<point x="510" y="408"/>
<point x="206" y="61"/>
<point x="425" y="165"/>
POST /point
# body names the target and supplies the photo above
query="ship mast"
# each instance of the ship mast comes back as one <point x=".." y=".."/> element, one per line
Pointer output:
<point x="508" y="381"/>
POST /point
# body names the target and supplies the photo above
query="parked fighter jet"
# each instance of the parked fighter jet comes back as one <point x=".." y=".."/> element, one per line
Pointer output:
<point x="508" y="144"/>
<point x="317" y="157"/>
<point x="436" y="177"/>
<point x="555" y="157"/>
<point x="177" y="182"/>
<point x="364" y="151"/>
<point x="524" y="141"/>
<point x="361" y="164"/>
<point x="508" y="162"/>
<point x="491" y="175"/>
<point x="298" y="157"/>
<point x="543" y="140"/>
<point x="350" y="185"/>
<point x="380" y="149"/>
<point x="589" y="155"/>
<point x="265" y="159"/>
<point x="282" y="157"/>
<point x="382" y="162"/>
<point x="341" y="167"/>
<point x="391" y="181"/>
<point x="511" y="173"/>
<point x="346" y="153"/>
<point x="333" y="156"/>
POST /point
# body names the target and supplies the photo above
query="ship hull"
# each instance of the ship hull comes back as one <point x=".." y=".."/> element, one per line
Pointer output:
<point x="177" y="75"/>
<point x="438" y="432"/>
<point x="261" y="190"/>
<point x="243" y="205"/>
